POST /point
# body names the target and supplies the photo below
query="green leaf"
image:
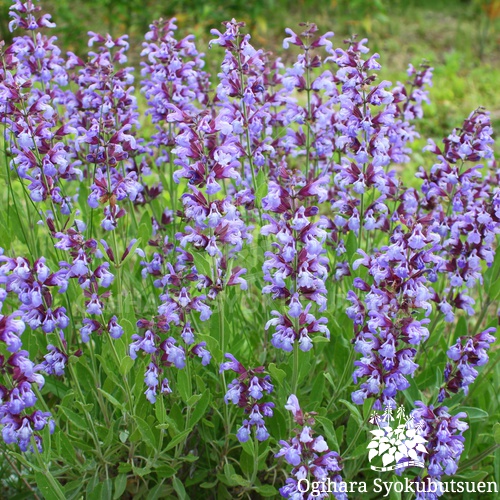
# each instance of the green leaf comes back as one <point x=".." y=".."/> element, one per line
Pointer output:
<point x="351" y="247"/>
<point x="144" y="231"/>
<point x="176" y="418"/>
<point x="329" y="431"/>
<point x="141" y="471"/>
<point x="179" y="488"/>
<point x="474" y="414"/>
<point x="278" y="425"/>
<point x="82" y="445"/>
<point x="126" y="364"/>
<point x="107" y="488"/>
<point x="496" y="432"/>
<point x="155" y="493"/>
<point x="395" y="495"/>
<point x="74" y="418"/>
<point x="128" y="324"/>
<point x="111" y="399"/>
<point x="305" y="364"/>
<point x="177" y="439"/>
<point x="55" y="387"/>
<point x="120" y="485"/>
<point x="491" y="278"/>
<point x="124" y="467"/>
<point x="319" y="339"/>
<point x="329" y="377"/>
<point x="239" y="480"/>
<point x="266" y="490"/>
<point x="48" y="486"/>
<point x="146" y="432"/>
<point x="412" y="394"/>
<point x="193" y="400"/>
<point x="473" y="475"/>
<point x="208" y="486"/>
<point x="359" y="450"/>
<point x="340" y="434"/>
<point x="109" y="369"/>
<point x="231" y="478"/>
<point x="461" y="329"/>
<point x="261" y="182"/>
<point x="165" y="471"/>
<point x="22" y="459"/>
<point x="203" y="266"/>
<point x="72" y="488"/>
<point x="184" y="385"/>
<point x="248" y="447"/>
<point x="160" y="412"/>
<point x="190" y="458"/>
<point x="66" y="448"/>
<point x="277" y="374"/>
<point x="200" y="409"/>
<point x="354" y="411"/>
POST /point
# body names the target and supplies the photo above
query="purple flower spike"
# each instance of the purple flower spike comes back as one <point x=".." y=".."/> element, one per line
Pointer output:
<point x="308" y="455"/>
<point x="247" y="392"/>
<point x="465" y="355"/>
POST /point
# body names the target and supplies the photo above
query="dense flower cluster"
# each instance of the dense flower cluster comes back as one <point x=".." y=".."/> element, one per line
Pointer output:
<point x="373" y="129"/>
<point x="297" y="268"/>
<point x="310" y="458"/>
<point x="219" y="231"/>
<point x="246" y="391"/>
<point x="243" y="102"/>
<point x="387" y="331"/>
<point x="451" y="229"/>
<point x="463" y="208"/>
<point x="445" y="442"/>
<point x="171" y="74"/>
<point x="173" y="314"/>
<point x="104" y="114"/>
<point x="20" y="421"/>
<point x="32" y="80"/>
<point x="465" y="354"/>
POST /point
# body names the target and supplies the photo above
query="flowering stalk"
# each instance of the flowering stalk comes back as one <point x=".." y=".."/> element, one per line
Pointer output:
<point x="246" y="391"/>
<point x="310" y="458"/>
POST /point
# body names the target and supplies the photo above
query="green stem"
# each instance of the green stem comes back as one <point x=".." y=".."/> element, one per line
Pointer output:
<point x="128" y="392"/>
<point x="356" y="436"/>
<point x="88" y="418"/>
<point x="171" y="187"/>
<point x="341" y="382"/>
<point x="295" y="372"/>
<point x="221" y="323"/>
<point x="255" y="459"/>
<point x="55" y="486"/>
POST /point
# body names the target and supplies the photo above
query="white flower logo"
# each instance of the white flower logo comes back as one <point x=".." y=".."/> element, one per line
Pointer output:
<point x="397" y="446"/>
